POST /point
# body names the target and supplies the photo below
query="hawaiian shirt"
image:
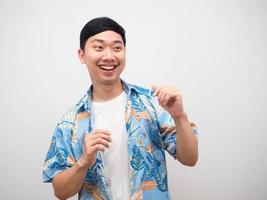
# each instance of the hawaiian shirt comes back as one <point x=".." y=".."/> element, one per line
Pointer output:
<point x="151" y="131"/>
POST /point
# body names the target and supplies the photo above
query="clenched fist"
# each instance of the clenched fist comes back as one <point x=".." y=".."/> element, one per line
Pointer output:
<point x="97" y="140"/>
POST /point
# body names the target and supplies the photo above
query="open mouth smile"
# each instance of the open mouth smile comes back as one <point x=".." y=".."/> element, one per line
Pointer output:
<point x="107" y="67"/>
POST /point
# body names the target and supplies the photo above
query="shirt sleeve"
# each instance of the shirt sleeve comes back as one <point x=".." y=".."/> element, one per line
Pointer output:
<point x="167" y="128"/>
<point x="59" y="156"/>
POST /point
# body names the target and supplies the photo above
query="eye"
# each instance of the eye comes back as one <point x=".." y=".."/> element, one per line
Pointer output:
<point x="98" y="47"/>
<point x="117" y="48"/>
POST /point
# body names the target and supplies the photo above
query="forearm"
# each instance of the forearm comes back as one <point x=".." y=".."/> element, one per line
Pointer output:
<point x="69" y="182"/>
<point x="186" y="146"/>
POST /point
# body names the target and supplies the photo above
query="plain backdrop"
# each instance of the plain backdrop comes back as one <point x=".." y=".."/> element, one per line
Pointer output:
<point x="214" y="52"/>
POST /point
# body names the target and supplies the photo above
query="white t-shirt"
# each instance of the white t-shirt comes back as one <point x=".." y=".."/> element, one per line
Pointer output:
<point x="110" y="115"/>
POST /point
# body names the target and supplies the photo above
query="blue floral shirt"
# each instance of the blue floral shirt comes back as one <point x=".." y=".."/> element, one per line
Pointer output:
<point x="151" y="131"/>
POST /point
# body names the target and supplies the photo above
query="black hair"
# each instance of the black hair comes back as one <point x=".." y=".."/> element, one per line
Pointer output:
<point x="98" y="25"/>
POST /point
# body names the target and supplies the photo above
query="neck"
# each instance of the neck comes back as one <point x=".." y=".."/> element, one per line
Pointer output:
<point x="106" y="92"/>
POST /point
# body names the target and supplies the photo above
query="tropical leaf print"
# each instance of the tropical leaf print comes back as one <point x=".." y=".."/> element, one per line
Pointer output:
<point x="91" y="177"/>
<point x="148" y="185"/>
<point x="137" y="104"/>
<point x="151" y="168"/>
<point x="165" y="129"/>
<point x="155" y="137"/>
<point x="66" y="125"/>
<point x="161" y="182"/>
<point x="47" y="164"/>
<point x="153" y="172"/>
<point x="74" y="137"/>
<point x="58" y="160"/>
<point x="61" y="156"/>
<point x="137" y="161"/>
<point x="144" y="115"/>
<point x="69" y="116"/>
<point x="137" y="195"/>
<point x="51" y="151"/>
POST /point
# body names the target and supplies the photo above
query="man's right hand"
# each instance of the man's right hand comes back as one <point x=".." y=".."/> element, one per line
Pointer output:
<point x="70" y="181"/>
<point x="97" y="140"/>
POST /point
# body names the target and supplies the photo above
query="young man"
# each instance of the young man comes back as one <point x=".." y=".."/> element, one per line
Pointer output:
<point x="111" y="144"/>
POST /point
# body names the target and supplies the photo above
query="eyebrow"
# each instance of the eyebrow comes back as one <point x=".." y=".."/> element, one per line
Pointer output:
<point x="102" y="41"/>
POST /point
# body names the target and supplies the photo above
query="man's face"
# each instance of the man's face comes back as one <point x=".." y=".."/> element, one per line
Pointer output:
<point x="104" y="56"/>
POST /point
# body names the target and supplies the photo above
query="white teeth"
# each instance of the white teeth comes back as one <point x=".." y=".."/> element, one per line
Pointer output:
<point x="107" y="67"/>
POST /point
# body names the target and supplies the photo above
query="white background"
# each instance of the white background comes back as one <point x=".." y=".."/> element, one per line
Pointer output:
<point x="214" y="51"/>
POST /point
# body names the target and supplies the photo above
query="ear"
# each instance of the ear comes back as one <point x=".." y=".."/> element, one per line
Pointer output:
<point x="81" y="56"/>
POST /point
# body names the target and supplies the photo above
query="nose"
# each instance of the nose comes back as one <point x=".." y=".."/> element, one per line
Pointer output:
<point x="108" y="55"/>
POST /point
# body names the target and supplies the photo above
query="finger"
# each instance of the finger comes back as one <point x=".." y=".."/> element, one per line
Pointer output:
<point x="155" y="90"/>
<point x="101" y="131"/>
<point x="98" y="147"/>
<point x="161" y="97"/>
<point x="162" y="90"/>
<point x="90" y="137"/>
<point x="154" y="87"/>
<point x="97" y="132"/>
<point x="102" y="135"/>
<point x="98" y="141"/>
<point x="166" y="99"/>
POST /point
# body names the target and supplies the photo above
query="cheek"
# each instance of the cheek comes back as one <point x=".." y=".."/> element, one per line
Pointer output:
<point x="92" y="58"/>
<point x="122" y="58"/>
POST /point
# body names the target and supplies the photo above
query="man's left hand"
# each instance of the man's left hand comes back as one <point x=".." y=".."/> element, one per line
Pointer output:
<point x="170" y="99"/>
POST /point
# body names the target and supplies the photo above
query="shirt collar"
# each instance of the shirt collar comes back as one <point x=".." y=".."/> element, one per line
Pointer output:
<point x="87" y="100"/>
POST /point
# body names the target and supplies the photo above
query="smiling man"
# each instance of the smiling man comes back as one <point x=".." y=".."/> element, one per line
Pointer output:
<point x="112" y="143"/>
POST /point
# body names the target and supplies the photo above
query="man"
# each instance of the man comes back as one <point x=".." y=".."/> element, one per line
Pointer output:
<point x="112" y="144"/>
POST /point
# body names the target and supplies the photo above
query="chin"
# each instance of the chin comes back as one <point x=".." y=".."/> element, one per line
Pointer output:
<point x="110" y="81"/>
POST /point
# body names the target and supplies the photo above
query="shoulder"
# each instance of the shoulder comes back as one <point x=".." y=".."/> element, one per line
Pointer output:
<point x="67" y="121"/>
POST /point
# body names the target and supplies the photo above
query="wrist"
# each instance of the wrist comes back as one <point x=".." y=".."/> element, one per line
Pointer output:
<point x="83" y="162"/>
<point x="180" y="118"/>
